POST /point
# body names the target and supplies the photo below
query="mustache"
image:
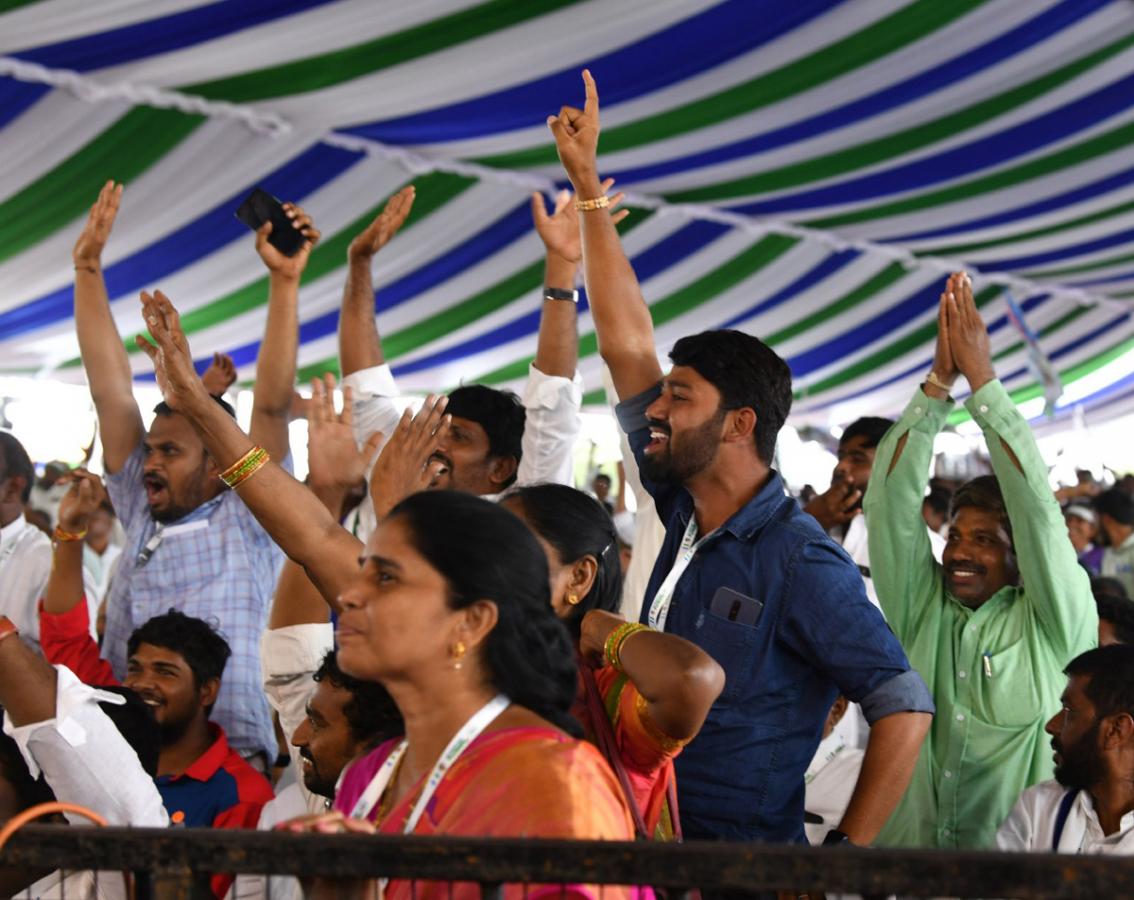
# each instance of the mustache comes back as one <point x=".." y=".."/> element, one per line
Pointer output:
<point x="441" y="458"/>
<point x="657" y="425"/>
<point x="155" y="480"/>
<point x="306" y="754"/>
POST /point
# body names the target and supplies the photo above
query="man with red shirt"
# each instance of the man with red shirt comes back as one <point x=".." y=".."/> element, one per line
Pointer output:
<point x="175" y="663"/>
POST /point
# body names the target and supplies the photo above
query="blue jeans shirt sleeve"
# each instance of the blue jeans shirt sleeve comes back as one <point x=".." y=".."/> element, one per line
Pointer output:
<point x="902" y="693"/>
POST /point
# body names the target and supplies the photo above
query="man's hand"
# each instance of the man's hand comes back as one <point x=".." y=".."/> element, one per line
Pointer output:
<point x="169" y="353"/>
<point x="382" y="230"/>
<point x="290" y="267"/>
<point x="405" y="466"/>
<point x="576" y="134"/>
<point x="968" y="335"/>
<point x="220" y="374"/>
<point x="593" y="632"/>
<point x="335" y="463"/>
<point x="87" y="253"/>
<point x="837" y="505"/>
<point x="81" y="501"/>
<point x="560" y="230"/>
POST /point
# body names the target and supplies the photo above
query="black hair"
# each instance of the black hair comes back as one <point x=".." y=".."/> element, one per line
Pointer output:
<point x="871" y="428"/>
<point x="1117" y="504"/>
<point x="1110" y="671"/>
<point x="485" y="552"/>
<point x="939" y="499"/>
<point x="1104" y="584"/>
<point x="499" y="413"/>
<point x="164" y="409"/>
<point x="748" y="374"/>
<point x="1119" y="611"/>
<point x="982" y="493"/>
<point x="195" y="640"/>
<point x="17" y="463"/>
<point x="576" y="525"/>
<point x="371" y="713"/>
<point x="604" y="477"/>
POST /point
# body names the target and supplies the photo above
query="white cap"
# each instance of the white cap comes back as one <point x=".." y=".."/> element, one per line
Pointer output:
<point x="1081" y="512"/>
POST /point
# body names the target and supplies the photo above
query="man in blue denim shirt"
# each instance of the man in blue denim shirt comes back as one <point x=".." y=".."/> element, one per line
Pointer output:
<point x="743" y="572"/>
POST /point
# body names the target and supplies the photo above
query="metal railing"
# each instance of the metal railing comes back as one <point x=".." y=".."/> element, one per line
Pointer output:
<point x="177" y="863"/>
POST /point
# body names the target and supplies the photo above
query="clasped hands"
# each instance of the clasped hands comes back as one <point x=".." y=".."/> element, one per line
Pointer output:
<point x="963" y="346"/>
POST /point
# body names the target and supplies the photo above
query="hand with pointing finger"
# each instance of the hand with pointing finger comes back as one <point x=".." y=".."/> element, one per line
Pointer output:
<point x="576" y="134"/>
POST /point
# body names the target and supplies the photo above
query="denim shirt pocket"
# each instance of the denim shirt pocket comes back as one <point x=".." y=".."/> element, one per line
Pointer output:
<point x="731" y="644"/>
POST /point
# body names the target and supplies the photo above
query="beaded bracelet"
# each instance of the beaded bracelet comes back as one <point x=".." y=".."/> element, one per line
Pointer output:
<point x="245" y="467"/>
<point x="595" y="203"/>
<point x="612" y="649"/>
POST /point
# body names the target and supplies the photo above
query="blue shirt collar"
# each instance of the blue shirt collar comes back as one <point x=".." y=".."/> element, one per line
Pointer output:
<point x="754" y="515"/>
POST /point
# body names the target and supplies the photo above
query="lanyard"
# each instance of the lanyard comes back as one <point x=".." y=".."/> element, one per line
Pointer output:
<point x="659" y="609"/>
<point x="163" y="531"/>
<point x="832" y="746"/>
<point x="469" y="732"/>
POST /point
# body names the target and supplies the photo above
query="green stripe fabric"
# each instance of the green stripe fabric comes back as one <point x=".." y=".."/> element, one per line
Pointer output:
<point x="122" y="152"/>
<point x="892" y="146"/>
<point x="879" y="39"/>
<point x="1058" y="324"/>
<point x="314" y="73"/>
<point x="1084" y="267"/>
<point x="1052" y="164"/>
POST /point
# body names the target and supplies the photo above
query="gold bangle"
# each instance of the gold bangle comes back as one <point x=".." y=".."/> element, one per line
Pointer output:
<point x="597" y="203"/>
<point x="612" y="649"/>
<point x="246" y="467"/>
<point x="64" y="536"/>
<point x="932" y="378"/>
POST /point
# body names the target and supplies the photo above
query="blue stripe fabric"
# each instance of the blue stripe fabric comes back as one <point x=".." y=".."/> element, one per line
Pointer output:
<point x="1068" y="252"/>
<point x="1068" y="198"/>
<point x="824" y="269"/>
<point x="996" y="150"/>
<point x="17" y="96"/>
<point x="688" y="48"/>
<point x="162" y="35"/>
<point x="1095" y="282"/>
<point x="967" y="64"/>
<point x="305" y="173"/>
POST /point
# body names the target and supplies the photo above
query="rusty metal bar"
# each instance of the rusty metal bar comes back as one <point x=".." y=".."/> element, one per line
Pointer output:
<point x="710" y="866"/>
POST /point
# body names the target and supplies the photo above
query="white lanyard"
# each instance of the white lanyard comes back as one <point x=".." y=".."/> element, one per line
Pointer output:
<point x="163" y="531"/>
<point x="659" y="609"/>
<point x="469" y="732"/>
<point x="832" y="746"/>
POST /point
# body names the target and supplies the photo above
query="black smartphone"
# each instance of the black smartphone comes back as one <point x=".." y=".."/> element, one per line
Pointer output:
<point x="260" y="207"/>
<point x="736" y="607"/>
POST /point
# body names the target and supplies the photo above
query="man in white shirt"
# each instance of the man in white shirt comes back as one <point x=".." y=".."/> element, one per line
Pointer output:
<point x="495" y="439"/>
<point x="25" y="551"/>
<point x="1089" y="807"/>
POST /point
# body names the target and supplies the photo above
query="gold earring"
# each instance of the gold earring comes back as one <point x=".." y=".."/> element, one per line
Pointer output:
<point x="573" y="599"/>
<point x="457" y="653"/>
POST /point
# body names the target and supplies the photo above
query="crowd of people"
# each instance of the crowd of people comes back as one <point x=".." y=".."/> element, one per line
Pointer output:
<point x="438" y="633"/>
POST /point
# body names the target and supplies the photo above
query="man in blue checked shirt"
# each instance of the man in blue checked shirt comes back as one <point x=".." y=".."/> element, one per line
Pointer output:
<point x="190" y="543"/>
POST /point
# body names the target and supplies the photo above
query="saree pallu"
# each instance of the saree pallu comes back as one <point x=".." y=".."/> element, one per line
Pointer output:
<point x="515" y="782"/>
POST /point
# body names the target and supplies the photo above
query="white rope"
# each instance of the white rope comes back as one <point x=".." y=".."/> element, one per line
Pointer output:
<point x="272" y="125"/>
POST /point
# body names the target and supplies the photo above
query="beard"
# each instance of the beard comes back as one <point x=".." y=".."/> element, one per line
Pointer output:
<point x="695" y="452"/>
<point x="314" y="780"/>
<point x="1081" y="766"/>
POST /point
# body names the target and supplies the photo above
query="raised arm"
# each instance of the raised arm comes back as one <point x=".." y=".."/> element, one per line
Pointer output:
<point x="622" y="320"/>
<point x="1055" y="585"/>
<point x="104" y="357"/>
<point x="275" y="364"/>
<point x="360" y="347"/>
<point x="678" y="680"/>
<point x="902" y="565"/>
<point x="291" y="514"/>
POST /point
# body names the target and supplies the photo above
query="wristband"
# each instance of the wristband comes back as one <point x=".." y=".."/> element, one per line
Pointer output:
<point x="64" y="536"/>
<point x="595" y="203"/>
<point x="7" y="627"/>
<point x="932" y="378"/>
<point x="245" y="467"/>
<point x="550" y="293"/>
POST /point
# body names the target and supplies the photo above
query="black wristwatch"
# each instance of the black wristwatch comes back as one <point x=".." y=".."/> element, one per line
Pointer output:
<point x="835" y="838"/>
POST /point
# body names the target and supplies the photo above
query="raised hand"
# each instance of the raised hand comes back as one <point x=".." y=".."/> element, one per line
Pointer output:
<point x="87" y="253"/>
<point x="560" y="230"/>
<point x="837" y="505"/>
<point x="220" y="374"/>
<point x="385" y="225"/>
<point x="405" y="465"/>
<point x="288" y="266"/>
<point x="968" y="335"/>
<point x="81" y="501"/>
<point x="576" y="134"/>
<point x="335" y="462"/>
<point x="169" y="352"/>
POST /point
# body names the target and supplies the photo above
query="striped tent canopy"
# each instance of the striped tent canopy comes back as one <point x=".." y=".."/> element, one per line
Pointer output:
<point x="806" y="170"/>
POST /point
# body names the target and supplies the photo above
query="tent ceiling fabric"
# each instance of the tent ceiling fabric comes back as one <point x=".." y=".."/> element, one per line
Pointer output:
<point x="806" y="170"/>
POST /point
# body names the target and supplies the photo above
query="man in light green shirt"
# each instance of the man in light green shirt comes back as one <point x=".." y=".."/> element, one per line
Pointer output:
<point x="991" y="628"/>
